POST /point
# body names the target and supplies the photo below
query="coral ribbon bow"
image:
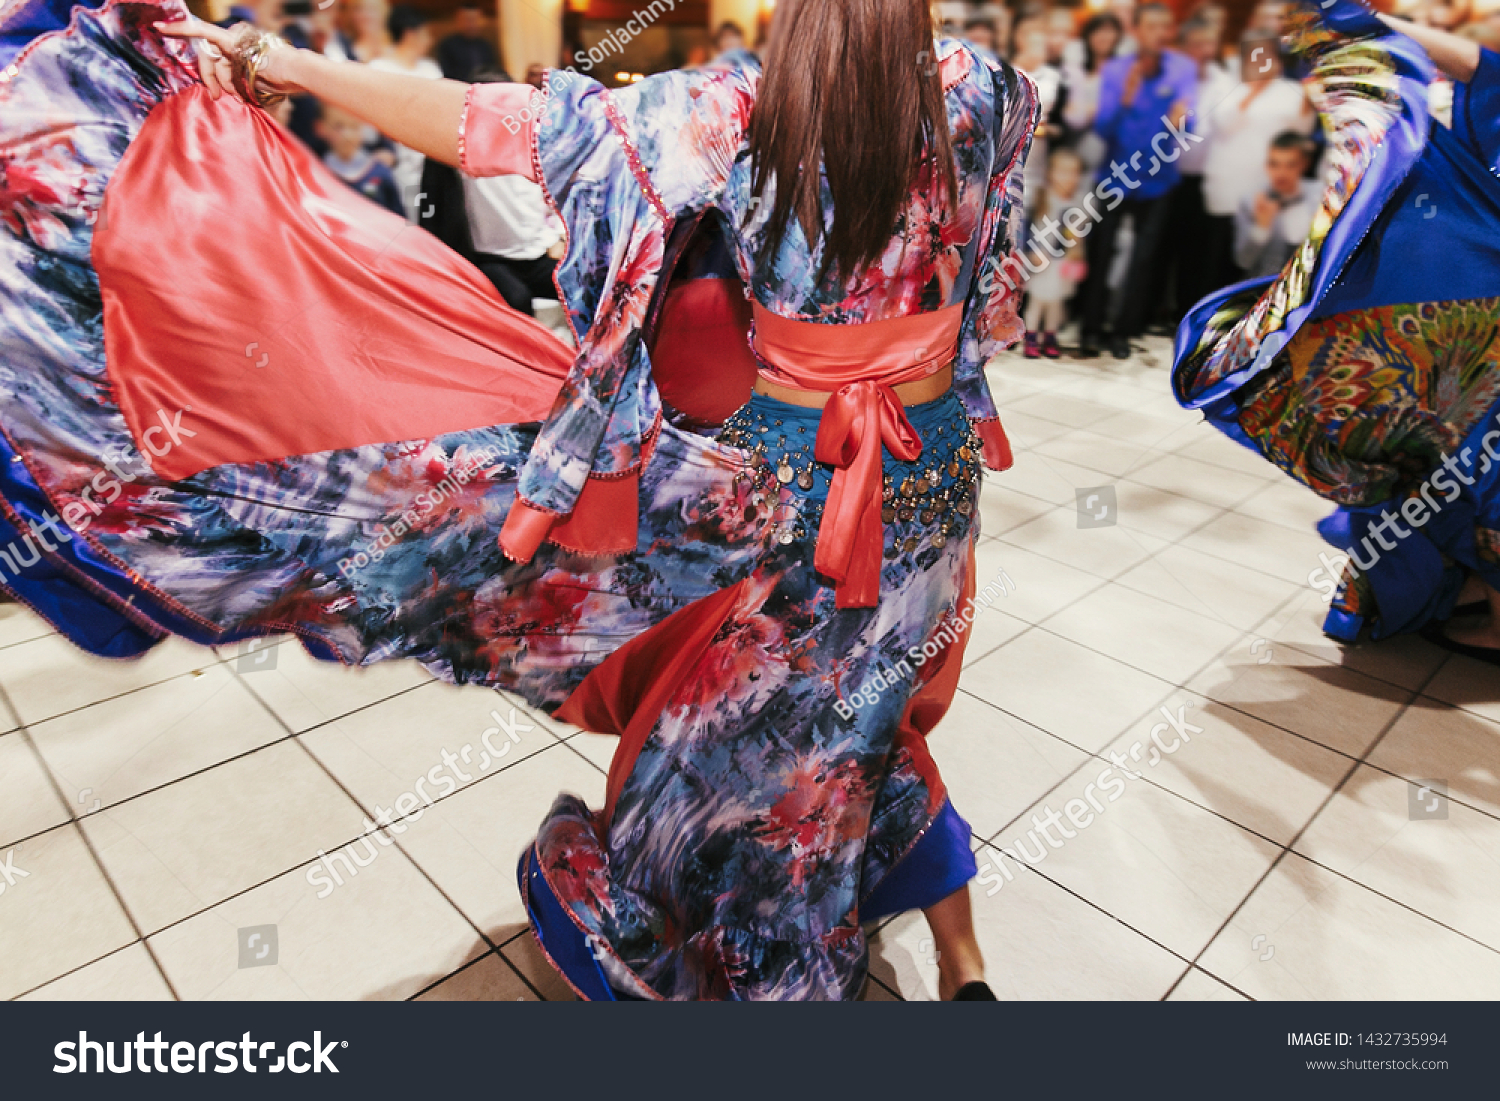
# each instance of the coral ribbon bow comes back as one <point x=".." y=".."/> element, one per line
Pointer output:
<point x="857" y="420"/>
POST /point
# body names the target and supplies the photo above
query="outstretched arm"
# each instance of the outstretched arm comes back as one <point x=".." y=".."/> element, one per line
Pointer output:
<point x="415" y="111"/>
<point x="1458" y="57"/>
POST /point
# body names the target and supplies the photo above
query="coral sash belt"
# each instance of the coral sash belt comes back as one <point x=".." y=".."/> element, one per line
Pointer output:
<point x="858" y="374"/>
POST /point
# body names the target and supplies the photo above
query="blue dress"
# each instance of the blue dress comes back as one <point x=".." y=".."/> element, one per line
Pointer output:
<point x="1366" y="369"/>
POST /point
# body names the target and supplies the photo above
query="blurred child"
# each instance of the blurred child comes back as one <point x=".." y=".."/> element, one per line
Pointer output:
<point x="1271" y="225"/>
<point x="1048" y="290"/>
<point x="1029" y="54"/>
<point x="349" y="161"/>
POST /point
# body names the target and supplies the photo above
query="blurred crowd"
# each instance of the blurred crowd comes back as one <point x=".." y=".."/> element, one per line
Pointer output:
<point x="502" y="225"/>
<point x="1175" y="156"/>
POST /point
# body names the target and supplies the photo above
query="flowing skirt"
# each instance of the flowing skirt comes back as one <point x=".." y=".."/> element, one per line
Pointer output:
<point x="785" y="748"/>
<point x="1367" y="370"/>
<point x="772" y="787"/>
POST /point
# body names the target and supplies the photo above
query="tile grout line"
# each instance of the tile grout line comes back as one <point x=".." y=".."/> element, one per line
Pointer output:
<point x="369" y="816"/>
<point x="144" y="938"/>
<point x="498" y="954"/>
<point x="305" y="863"/>
<point x="1282" y="849"/>
<point x="118" y="695"/>
<point x="1114" y="737"/>
<point x="1287" y="849"/>
<point x="484" y="937"/>
<point x="1100" y="909"/>
<point x="1355" y="762"/>
<point x="93" y="855"/>
<point x="90" y="963"/>
<point x="75" y="818"/>
<point x="1126" y="727"/>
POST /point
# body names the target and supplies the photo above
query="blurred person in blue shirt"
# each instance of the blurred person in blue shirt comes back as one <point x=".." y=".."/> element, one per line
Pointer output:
<point x="348" y="159"/>
<point x="1144" y="101"/>
<point x="466" y="51"/>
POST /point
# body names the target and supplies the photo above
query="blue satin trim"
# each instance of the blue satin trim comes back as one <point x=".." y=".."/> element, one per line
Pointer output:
<point x="54" y="585"/>
<point x="56" y="595"/>
<point x="560" y="936"/>
<point x="939" y="863"/>
<point x="27" y="19"/>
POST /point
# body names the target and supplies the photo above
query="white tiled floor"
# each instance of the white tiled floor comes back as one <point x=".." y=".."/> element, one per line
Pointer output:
<point x="150" y="811"/>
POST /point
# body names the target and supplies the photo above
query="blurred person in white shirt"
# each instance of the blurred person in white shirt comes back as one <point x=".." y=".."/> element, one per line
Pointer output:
<point x="410" y="43"/>
<point x="1237" y="132"/>
<point x="1098" y="42"/>
<point x="1029" y="54"/>
<point x="500" y="224"/>
<point x="514" y="235"/>
<point x="1187" y="270"/>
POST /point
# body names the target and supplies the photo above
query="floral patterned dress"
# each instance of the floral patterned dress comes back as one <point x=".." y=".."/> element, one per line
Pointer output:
<point x="773" y="787"/>
<point x="1367" y="369"/>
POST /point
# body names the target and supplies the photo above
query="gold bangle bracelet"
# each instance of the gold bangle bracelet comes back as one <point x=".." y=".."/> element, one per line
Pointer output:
<point x="250" y="55"/>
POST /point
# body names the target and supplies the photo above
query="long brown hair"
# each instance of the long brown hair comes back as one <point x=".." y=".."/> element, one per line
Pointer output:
<point x="851" y="86"/>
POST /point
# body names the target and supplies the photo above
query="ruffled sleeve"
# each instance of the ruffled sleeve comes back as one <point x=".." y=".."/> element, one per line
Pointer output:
<point x="620" y="169"/>
<point x="990" y="319"/>
<point x="497" y="132"/>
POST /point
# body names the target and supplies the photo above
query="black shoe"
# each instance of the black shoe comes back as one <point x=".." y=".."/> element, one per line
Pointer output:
<point x="1088" y="346"/>
<point x="1119" y="347"/>
<point x="1435" y="634"/>
<point x="975" y="992"/>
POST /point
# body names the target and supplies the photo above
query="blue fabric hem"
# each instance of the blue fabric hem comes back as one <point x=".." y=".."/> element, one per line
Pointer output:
<point x="559" y="936"/>
<point x="1342" y="625"/>
<point x="85" y="617"/>
<point x="1416" y="581"/>
<point x="939" y="863"/>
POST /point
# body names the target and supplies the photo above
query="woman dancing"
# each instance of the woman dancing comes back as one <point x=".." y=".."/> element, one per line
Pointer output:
<point x="764" y="595"/>
<point x="1367" y="369"/>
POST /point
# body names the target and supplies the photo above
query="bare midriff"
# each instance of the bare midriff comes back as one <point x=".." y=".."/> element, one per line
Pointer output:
<point x="862" y="376"/>
<point x="910" y="393"/>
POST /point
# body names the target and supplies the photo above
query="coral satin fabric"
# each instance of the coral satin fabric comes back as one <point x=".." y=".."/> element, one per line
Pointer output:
<point x="701" y="360"/>
<point x="859" y="365"/>
<point x="626" y="694"/>
<point x="857" y="420"/>
<point x="283" y="313"/>
<point x="806" y="355"/>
